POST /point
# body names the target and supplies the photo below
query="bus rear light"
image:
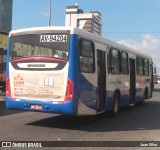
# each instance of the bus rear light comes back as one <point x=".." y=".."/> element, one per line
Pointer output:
<point x="69" y="90"/>
<point x="8" y="87"/>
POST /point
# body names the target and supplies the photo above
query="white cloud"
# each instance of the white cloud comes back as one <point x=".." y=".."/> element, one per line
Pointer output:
<point x="149" y="45"/>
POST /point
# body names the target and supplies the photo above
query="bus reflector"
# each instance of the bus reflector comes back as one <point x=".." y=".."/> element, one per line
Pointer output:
<point x="8" y="88"/>
<point x="69" y="90"/>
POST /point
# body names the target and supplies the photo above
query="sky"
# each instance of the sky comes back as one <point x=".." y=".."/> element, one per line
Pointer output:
<point x="133" y="23"/>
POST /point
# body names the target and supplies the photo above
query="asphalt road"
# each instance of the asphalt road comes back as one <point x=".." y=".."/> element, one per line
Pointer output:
<point x="138" y="123"/>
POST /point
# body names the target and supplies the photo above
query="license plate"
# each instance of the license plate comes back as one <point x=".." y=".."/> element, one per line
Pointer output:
<point x="38" y="107"/>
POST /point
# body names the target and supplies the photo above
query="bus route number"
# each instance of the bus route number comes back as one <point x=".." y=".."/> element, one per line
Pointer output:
<point x="53" y="38"/>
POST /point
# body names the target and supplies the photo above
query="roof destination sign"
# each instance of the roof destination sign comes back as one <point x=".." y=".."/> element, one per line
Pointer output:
<point x="53" y="38"/>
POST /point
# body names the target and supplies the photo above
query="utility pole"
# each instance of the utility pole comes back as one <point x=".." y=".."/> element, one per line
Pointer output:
<point x="50" y="13"/>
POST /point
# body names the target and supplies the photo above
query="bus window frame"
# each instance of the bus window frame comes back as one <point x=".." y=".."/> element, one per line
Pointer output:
<point x="68" y="34"/>
<point x="111" y="61"/>
<point x="123" y="73"/>
<point x="139" y="66"/>
<point x="143" y="66"/>
<point x="146" y="72"/>
<point x="93" y="50"/>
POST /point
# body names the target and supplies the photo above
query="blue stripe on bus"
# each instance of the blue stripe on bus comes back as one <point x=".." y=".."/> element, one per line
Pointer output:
<point x="73" y="73"/>
<point x="48" y="107"/>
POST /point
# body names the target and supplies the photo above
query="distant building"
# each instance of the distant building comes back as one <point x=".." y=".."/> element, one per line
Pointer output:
<point x="5" y="15"/>
<point x="88" y="21"/>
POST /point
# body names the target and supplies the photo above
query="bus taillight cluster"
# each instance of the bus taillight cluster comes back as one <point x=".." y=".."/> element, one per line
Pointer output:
<point x="69" y="90"/>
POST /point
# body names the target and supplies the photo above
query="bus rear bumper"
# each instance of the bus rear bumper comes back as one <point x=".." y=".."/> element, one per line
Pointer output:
<point x="67" y="108"/>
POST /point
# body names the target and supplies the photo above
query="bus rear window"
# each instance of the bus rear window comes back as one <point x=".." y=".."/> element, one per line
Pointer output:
<point x="40" y="45"/>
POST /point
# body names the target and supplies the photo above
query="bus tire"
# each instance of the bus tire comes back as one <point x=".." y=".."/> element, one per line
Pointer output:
<point x="115" y="107"/>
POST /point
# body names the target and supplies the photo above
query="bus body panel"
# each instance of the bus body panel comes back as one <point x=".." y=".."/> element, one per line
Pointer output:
<point x="121" y="83"/>
<point x="48" y="105"/>
<point x="87" y="96"/>
<point x="39" y="85"/>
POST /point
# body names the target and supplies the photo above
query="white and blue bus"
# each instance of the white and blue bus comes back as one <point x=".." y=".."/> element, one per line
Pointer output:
<point x="70" y="71"/>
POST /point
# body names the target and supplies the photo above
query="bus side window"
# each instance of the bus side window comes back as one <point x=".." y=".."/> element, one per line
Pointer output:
<point x="115" y="62"/>
<point x="124" y="63"/>
<point x="87" y="61"/>
<point x="140" y="66"/>
<point x="146" y="67"/>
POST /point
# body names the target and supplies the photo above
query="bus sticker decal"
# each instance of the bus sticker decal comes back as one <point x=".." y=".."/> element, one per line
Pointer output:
<point x="48" y="81"/>
<point x="18" y="80"/>
<point x="18" y="90"/>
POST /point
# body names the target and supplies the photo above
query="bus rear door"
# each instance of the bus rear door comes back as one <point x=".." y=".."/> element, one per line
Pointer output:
<point x="132" y="81"/>
<point x="101" y="65"/>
